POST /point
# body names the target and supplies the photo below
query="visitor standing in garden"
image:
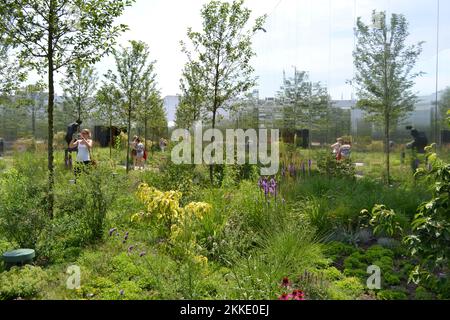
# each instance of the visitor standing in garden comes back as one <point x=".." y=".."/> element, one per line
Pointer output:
<point x="140" y="150"/>
<point x="133" y="150"/>
<point x="337" y="146"/>
<point x="84" y="145"/>
<point x="162" y="144"/>
<point x="345" y="151"/>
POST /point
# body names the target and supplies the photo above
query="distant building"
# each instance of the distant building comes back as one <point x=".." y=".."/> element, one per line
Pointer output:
<point x="170" y="105"/>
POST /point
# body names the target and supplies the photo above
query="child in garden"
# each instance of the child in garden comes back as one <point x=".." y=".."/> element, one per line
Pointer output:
<point x="337" y="146"/>
<point x="140" y="149"/>
<point x="345" y="150"/>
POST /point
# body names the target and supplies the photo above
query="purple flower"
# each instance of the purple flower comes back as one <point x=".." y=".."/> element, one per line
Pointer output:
<point x="121" y="292"/>
<point x="126" y="236"/>
<point x="143" y="253"/>
<point x="111" y="231"/>
<point x="130" y="248"/>
<point x="292" y="170"/>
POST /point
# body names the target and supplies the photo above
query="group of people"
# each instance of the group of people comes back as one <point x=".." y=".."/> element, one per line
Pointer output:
<point x="342" y="149"/>
<point x="80" y="142"/>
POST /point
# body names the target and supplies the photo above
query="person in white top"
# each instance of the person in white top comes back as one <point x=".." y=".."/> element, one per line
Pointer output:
<point x="337" y="146"/>
<point x="84" y="144"/>
<point x="140" y="149"/>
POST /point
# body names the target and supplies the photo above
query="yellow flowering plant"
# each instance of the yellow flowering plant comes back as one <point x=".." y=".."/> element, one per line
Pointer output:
<point x="179" y="222"/>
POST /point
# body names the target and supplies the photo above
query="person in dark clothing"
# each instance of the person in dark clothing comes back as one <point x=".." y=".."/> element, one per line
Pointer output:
<point x="419" y="143"/>
<point x="417" y="146"/>
<point x="2" y="147"/>
<point x="72" y="129"/>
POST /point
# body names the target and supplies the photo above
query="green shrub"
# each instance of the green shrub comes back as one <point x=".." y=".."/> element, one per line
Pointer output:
<point x="384" y="222"/>
<point x="423" y="294"/>
<point x="88" y="200"/>
<point x="22" y="208"/>
<point x="24" y="282"/>
<point x="347" y="289"/>
<point x="328" y="165"/>
<point x="392" y="295"/>
<point x="335" y="250"/>
<point x="333" y="274"/>
<point x="431" y="225"/>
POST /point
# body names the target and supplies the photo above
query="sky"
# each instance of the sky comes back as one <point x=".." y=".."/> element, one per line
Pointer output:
<point x="311" y="35"/>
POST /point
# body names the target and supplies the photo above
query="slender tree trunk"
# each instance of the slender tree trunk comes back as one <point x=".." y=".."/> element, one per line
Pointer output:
<point x="33" y="122"/>
<point x="129" y="135"/>
<point x="51" y="101"/>
<point x="110" y="138"/>
<point x="388" y="151"/>
<point x="145" y="133"/>
<point x="211" y="167"/>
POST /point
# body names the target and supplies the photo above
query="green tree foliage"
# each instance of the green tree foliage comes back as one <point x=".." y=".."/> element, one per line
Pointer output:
<point x="151" y="111"/>
<point x="134" y="72"/>
<point x="444" y="106"/>
<point x="11" y="71"/>
<point x="431" y="225"/>
<point x="79" y="87"/>
<point x="191" y="101"/>
<point x="305" y="104"/>
<point x="220" y="56"/>
<point x="384" y="72"/>
<point x="32" y="99"/>
<point x="52" y="34"/>
<point x="108" y="100"/>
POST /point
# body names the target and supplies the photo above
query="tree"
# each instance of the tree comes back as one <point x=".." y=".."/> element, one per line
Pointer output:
<point x="151" y="109"/>
<point x="52" y="34"/>
<point x="221" y="55"/>
<point x="305" y="104"/>
<point x="133" y="72"/>
<point x="79" y="87"/>
<point x="384" y="73"/>
<point x="444" y="106"/>
<point x="191" y="102"/>
<point x="108" y="100"/>
<point x="32" y="99"/>
<point x="12" y="72"/>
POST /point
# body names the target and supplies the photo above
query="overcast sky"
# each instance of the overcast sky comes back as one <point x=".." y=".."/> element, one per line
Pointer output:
<point x="313" y="35"/>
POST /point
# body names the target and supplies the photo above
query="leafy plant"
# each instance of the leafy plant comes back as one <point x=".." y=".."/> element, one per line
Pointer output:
<point x="328" y="165"/>
<point x="384" y="221"/>
<point x="23" y="282"/>
<point x="22" y="208"/>
<point x="431" y="225"/>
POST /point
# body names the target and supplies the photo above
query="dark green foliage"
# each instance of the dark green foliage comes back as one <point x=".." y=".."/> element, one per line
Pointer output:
<point x="392" y="295"/>
<point x="431" y="225"/>
<point x="22" y="202"/>
<point x="328" y="165"/>
<point x="23" y="283"/>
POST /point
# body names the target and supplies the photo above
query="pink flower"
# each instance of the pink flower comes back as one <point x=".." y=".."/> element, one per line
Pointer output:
<point x="284" y="297"/>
